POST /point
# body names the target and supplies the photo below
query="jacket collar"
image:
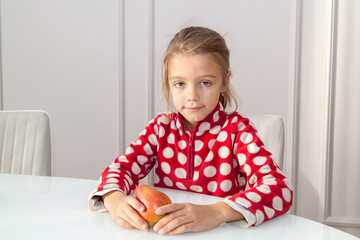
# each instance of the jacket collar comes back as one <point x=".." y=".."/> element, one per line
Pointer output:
<point x="214" y="118"/>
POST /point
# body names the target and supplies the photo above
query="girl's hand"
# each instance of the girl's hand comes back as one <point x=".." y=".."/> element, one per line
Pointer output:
<point x="187" y="217"/>
<point x="123" y="208"/>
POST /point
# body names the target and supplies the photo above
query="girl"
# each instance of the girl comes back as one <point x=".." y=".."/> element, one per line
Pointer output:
<point x="201" y="148"/>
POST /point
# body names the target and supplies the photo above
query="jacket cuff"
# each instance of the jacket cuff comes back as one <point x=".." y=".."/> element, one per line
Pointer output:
<point x="96" y="203"/>
<point x="249" y="216"/>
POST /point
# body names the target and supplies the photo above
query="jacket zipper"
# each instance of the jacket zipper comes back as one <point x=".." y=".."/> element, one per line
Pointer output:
<point x="190" y="156"/>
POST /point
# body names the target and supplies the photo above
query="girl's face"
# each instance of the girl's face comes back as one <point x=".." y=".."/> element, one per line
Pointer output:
<point x="195" y="85"/>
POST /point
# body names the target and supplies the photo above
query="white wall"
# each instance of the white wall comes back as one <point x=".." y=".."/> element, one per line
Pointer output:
<point x="63" y="57"/>
<point x="328" y="113"/>
<point x="95" y="66"/>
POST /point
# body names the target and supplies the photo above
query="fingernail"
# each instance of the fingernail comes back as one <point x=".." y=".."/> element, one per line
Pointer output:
<point x="141" y="209"/>
<point x="157" y="212"/>
<point x="155" y="228"/>
<point x="144" y="226"/>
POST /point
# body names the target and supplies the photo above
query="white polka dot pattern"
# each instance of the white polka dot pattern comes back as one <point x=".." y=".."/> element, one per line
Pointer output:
<point x="168" y="182"/>
<point x="180" y="185"/>
<point x="215" y="130"/>
<point x="153" y="139"/>
<point x="216" y="117"/>
<point x="269" y="212"/>
<point x="135" y="168"/>
<point x="210" y="171"/>
<point x="242" y="158"/>
<point x="196" y="188"/>
<point x="277" y="203"/>
<point x="222" y="136"/>
<point x="253" y="148"/>
<point x="112" y="180"/>
<point x="243" y="202"/>
<point x="260" y="160"/>
<point x="209" y="157"/>
<point x="180" y="173"/>
<point x="260" y="217"/>
<point x="212" y="186"/>
<point x="286" y="194"/>
<point x="197" y="160"/>
<point x="204" y="126"/>
<point x="142" y="159"/>
<point x="253" y="196"/>
<point x="264" y="189"/>
<point x="211" y="143"/>
<point x="162" y="132"/>
<point x="226" y="185"/>
<point x="182" y="144"/>
<point x="182" y="158"/>
<point x="223" y="156"/>
<point x="165" y="167"/>
<point x="247" y="169"/>
<point x="225" y="169"/>
<point x="168" y="152"/>
<point x="224" y="152"/>
<point x="198" y="145"/>
<point x="147" y="149"/>
<point x="171" y="138"/>
<point x="246" y="138"/>
<point x="196" y="175"/>
<point x="129" y="150"/>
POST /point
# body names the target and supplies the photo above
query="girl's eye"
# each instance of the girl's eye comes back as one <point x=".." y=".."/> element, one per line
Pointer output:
<point x="179" y="84"/>
<point x="206" y="83"/>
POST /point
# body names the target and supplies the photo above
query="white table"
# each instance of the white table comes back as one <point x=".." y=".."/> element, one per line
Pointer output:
<point x="33" y="207"/>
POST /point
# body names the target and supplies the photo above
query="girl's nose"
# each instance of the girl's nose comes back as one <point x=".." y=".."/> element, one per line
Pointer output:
<point x="192" y="94"/>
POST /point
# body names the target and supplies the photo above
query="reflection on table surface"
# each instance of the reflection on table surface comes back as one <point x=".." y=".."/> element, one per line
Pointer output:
<point x="33" y="207"/>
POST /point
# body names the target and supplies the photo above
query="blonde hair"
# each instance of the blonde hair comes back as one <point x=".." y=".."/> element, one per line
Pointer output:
<point x="200" y="40"/>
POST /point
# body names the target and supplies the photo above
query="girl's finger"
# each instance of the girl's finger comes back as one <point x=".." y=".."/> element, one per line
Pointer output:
<point x="182" y="223"/>
<point x="169" y="208"/>
<point x="125" y="218"/>
<point x="133" y="202"/>
<point x="174" y="210"/>
<point x="124" y="223"/>
<point x="134" y="216"/>
<point x="181" y="229"/>
<point x="162" y="222"/>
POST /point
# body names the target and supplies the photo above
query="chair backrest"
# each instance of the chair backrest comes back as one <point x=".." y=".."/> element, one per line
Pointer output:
<point x="271" y="131"/>
<point x="25" y="146"/>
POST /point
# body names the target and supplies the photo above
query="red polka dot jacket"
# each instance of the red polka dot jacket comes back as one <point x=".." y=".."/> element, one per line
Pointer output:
<point x="222" y="156"/>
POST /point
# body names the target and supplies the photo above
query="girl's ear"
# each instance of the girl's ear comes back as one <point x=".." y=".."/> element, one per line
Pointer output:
<point x="229" y="75"/>
<point x="224" y="87"/>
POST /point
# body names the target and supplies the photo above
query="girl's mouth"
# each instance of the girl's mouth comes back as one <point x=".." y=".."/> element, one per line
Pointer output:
<point x="193" y="108"/>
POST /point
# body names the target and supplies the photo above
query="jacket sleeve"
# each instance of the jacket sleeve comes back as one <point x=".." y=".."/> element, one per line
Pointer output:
<point x="269" y="193"/>
<point x="126" y="170"/>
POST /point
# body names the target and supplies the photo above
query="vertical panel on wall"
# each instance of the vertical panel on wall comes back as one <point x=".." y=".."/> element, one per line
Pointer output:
<point x="313" y="101"/>
<point x="63" y="57"/>
<point x="292" y="130"/>
<point x="1" y="89"/>
<point x="136" y="68"/>
<point x="343" y="209"/>
<point x="327" y="172"/>
<point x="138" y="52"/>
<point x="121" y="79"/>
<point x="151" y="59"/>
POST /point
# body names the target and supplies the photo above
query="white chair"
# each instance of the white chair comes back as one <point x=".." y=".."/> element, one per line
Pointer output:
<point x="25" y="146"/>
<point x="271" y="131"/>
